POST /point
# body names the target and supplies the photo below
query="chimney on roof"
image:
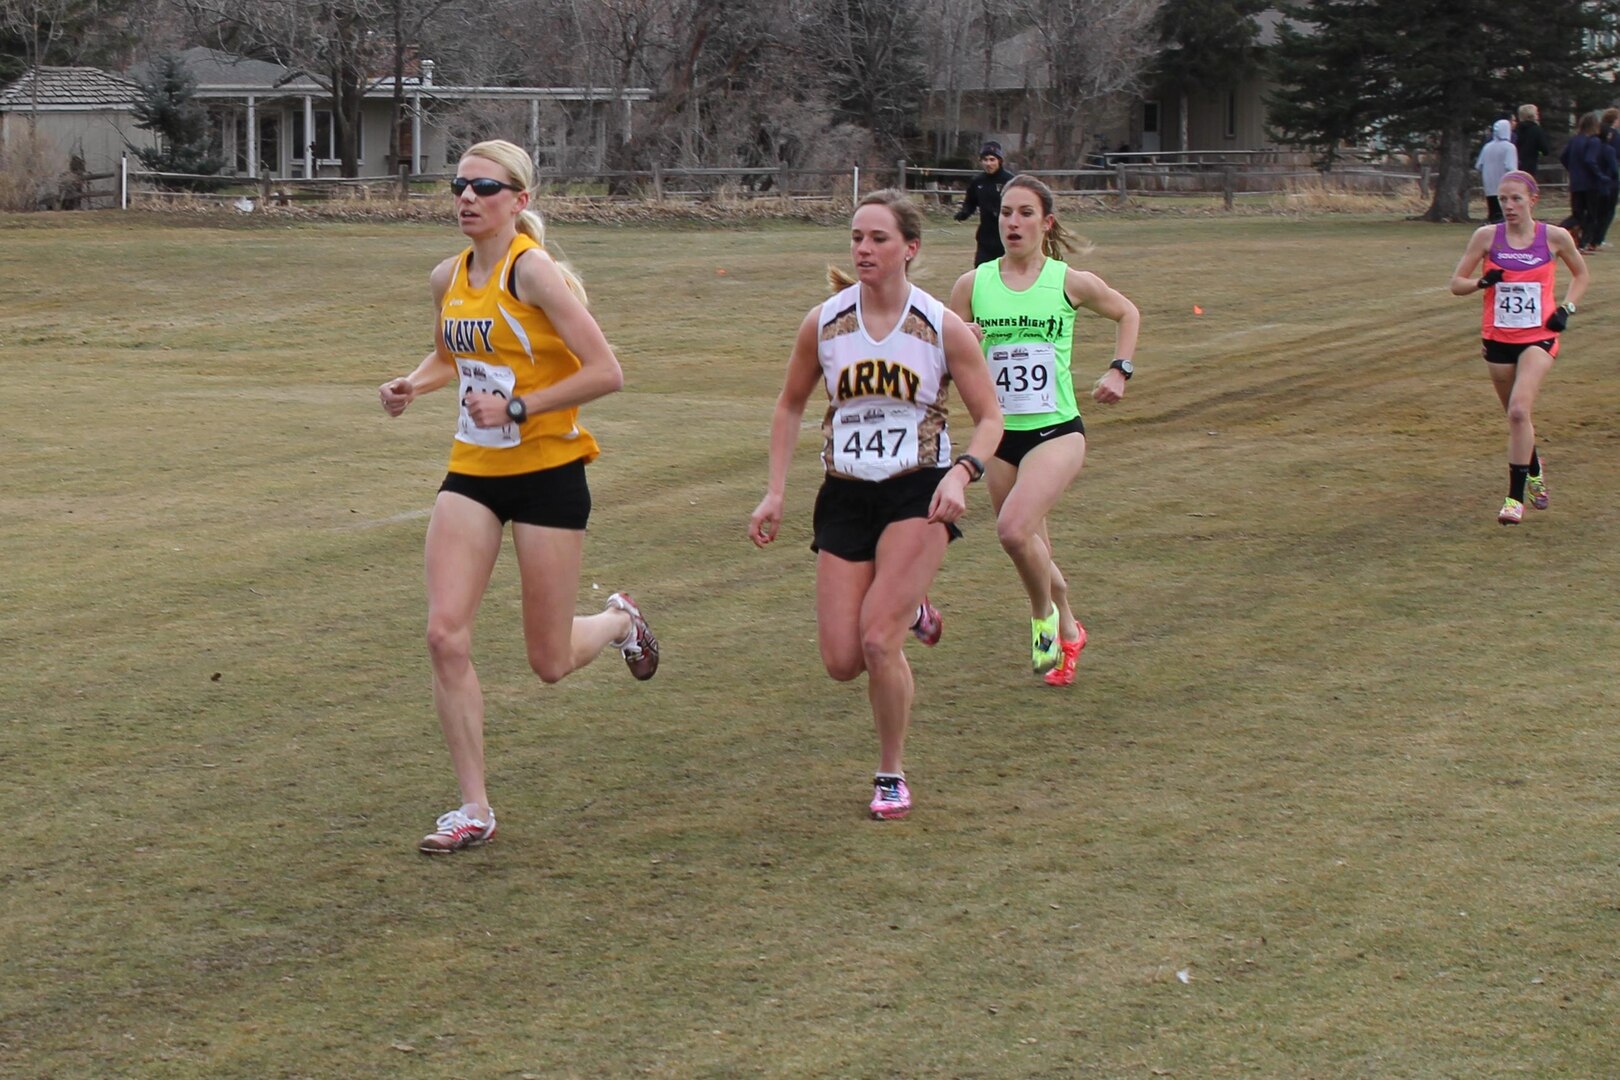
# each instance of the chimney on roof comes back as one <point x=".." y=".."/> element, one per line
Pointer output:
<point x="427" y="73"/>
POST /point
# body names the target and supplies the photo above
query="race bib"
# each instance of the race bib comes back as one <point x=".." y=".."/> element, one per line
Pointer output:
<point x="1518" y="305"/>
<point x="874" y="442"/>
<point x="1025" y="374"/>
<point x="479" y="377"/>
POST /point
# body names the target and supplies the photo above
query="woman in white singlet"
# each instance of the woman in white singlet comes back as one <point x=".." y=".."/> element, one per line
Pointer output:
<point x="886" y="353"/>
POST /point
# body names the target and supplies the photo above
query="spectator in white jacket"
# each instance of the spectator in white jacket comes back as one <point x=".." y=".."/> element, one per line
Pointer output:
<point x="1496" y="159"/>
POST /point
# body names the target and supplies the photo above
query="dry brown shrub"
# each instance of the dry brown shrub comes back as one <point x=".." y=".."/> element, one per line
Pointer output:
<point x="27" y="177"/>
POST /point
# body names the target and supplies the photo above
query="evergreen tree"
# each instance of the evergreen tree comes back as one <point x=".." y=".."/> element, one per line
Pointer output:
<point x="168" y="105"/>
<point x="1431" y="75"/>
<point x="1207" y="46"/>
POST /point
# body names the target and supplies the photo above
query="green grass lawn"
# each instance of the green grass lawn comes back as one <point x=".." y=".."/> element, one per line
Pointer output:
<point x="1334" y="794"/>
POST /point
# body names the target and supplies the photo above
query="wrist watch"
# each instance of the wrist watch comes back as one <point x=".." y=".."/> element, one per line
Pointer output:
<point x="1569" y="306"/>
<point x="1124" y="367"/>
<point x="518" y="411"/>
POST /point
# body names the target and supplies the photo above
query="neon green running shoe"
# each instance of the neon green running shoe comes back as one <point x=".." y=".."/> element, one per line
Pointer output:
<point x="1536" y="488"/>
<point x="1045" y="653"/>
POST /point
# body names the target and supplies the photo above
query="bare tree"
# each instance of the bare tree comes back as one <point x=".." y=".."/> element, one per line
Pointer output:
<point x="37" y="33"/>
<point x="954" y="35"/>
<point x="1094" y="52"/>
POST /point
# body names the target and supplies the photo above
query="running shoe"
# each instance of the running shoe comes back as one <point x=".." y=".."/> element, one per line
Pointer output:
<point x="1063" y="674"/>
<point x="1536" y="488"/>
<point x="1512" y="512"/>
<point x="640" y="648"/>
<point x="1044" y="652"/>
<point x="457" y="831"/>
<point x="930" y="623"/>
<point x="891" y="798"/>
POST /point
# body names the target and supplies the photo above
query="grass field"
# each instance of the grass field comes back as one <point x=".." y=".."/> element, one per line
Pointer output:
<point x="1334" y="795"/>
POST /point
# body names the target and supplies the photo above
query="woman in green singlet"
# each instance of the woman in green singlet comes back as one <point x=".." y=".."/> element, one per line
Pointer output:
<point x="1023" y="305"/>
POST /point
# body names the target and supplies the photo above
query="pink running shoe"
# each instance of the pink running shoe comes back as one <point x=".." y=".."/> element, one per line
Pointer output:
<point x="457" y="831"/>
<point x="930" y="624"/>
<point x="640" y="649"/>
<point x="1063" y="674"/>
<point x="1512" y="512"/>
<point x="1536" y="488"/>
<point x="891" y="798"/>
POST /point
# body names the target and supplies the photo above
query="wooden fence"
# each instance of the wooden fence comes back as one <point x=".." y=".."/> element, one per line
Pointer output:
<point x="1116" y="178"/>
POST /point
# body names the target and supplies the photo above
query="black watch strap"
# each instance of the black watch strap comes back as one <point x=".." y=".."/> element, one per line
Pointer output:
<point x="975" y="467"/>
<point x="518" y="411"/>
<point x="1124" y="367"/>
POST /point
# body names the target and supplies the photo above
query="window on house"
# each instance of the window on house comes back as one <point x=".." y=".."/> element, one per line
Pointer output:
<point x="325" y="140"/>
<point x="1231" y="115"/>
<point x="1150" y="117"/>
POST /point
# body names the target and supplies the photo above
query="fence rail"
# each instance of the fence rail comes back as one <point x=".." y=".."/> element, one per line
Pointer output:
<point x="1125" y="177"/>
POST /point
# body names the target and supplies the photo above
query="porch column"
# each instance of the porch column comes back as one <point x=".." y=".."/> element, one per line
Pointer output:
<point x="252" y="136"/>
<point x="626" y="136"/>
<point x="309" y="137"/>
<point x="416" y="134"/>
<point x="534" y="129"/>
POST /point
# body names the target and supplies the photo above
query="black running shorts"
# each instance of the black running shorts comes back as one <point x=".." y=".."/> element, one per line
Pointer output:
<point x="852" y="514"/>
<point x="555" y="498"/>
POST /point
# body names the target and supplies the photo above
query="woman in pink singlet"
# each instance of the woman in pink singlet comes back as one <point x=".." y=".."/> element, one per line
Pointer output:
<point x="1521" y="322"/>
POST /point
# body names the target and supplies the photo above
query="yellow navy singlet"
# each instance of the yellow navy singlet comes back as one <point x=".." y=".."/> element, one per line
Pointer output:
<point x="504" y="346"/>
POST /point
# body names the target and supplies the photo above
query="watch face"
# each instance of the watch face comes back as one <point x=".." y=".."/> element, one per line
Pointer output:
<point x="514" y="409"/>
<point x="1126" y="368"/>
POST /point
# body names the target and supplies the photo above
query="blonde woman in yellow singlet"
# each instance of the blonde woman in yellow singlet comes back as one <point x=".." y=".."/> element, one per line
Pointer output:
<point x="513" y="334"/>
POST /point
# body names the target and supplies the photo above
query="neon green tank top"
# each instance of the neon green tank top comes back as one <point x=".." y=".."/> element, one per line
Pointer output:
<point x="1028" y="336"/>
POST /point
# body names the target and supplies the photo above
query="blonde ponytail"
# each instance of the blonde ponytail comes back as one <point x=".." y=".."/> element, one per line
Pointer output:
<point x="530" y="224"/>
<point x="518" y="166"/>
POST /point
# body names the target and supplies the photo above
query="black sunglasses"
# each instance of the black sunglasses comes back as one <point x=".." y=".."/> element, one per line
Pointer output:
<point x="483" y="187"/>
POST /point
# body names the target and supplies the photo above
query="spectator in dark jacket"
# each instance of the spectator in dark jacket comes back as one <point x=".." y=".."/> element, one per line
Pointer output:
<point x="1610" y="138"/>
<point x="984" y="195"/>
<point x="1530" y="139"/>
<point x="1591" y="175"/>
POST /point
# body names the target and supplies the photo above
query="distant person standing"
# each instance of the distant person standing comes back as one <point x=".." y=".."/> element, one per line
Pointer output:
<point x="1609" y="158"/>
<point x="1585" y="161"/>
<point x="1530" y="140"/>
<point x="1496" y="160"/>
<point x="984" y="195"/>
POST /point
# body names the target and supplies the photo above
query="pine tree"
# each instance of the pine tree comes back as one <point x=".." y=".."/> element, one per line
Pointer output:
<point x="168" y="106"/>
<point x="1431" y="75"/>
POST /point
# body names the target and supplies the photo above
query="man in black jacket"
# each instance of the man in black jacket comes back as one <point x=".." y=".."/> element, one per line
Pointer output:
<point x="984" y="195"/>
<point x="1530" y="139"/>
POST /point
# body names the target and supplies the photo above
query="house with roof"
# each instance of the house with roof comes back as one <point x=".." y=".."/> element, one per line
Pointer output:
<point x="72" y="112"/>
<point x="992" y="94"/>
<point x="267" y="118"/>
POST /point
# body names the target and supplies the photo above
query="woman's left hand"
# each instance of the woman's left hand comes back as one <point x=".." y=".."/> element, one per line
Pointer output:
<point x="1110" y="388"/>
<point x="949" y="502"/>
<point x="487" y="410"/>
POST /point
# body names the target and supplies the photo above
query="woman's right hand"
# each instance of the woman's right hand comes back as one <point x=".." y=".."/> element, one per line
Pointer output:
<point x="765" y="520"/>
<point x="396" y="394"/>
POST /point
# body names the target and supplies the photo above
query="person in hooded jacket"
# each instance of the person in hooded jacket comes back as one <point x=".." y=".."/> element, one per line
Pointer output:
<point x="1498" y="158"/>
